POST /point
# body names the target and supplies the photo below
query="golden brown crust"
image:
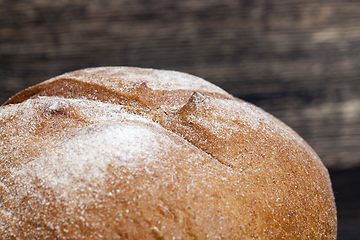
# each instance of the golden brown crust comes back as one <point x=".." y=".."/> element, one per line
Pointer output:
<point x="128" y="153"/>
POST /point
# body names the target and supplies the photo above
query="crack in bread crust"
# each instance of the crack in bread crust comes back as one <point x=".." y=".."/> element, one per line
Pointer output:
<point x="148" y="154"/>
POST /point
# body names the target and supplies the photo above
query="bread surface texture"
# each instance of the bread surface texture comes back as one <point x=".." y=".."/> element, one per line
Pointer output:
<point x="131" y="153"/>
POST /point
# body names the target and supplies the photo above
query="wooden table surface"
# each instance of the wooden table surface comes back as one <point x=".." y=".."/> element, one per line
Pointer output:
<point x="299" y="60"/>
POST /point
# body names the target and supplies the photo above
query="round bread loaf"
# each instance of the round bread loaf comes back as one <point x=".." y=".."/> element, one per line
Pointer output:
<point x="129" y="153"/>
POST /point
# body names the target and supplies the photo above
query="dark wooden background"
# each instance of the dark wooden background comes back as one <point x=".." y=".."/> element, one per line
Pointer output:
<point x="299" y="60"/>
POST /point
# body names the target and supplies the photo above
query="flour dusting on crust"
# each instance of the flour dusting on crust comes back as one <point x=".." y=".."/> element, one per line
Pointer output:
<point x="123" y="153"/>
<point x="155" y="79"/>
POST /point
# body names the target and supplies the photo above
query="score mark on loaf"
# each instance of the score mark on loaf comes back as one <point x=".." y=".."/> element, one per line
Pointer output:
<point x="130" y="153"/>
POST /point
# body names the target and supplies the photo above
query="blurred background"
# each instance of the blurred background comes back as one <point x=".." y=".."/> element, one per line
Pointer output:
<point x="299" y="60"/>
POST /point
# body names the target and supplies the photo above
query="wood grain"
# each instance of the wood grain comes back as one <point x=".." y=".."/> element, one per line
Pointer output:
<point x="298" y="60"/>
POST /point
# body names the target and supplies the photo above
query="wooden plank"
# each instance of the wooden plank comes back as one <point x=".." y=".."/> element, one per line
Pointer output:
<point x="296" y="59"/>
